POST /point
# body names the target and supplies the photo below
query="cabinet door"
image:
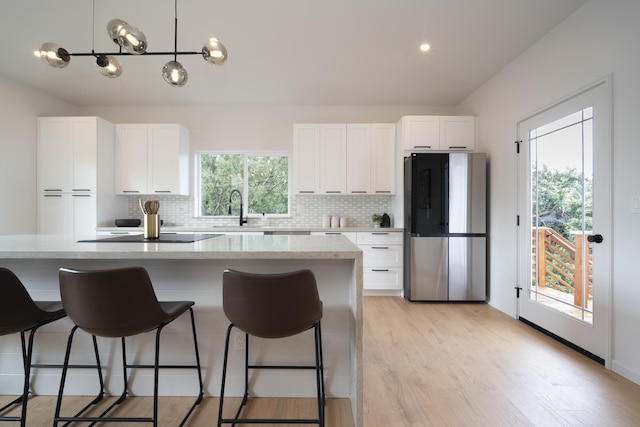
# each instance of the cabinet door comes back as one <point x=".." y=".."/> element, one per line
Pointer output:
<point x="457" y="132"/>
<point x="420" y="133"/>
<point x="383" y="158"/>
<point x="333" y="159"/>
<point x="55" y="214"/>
<point x="85" y="211"/>
<point x="166" y="160"/>
<point x="382" y="278"/>
<point x="381" y="255"/>
<point x="54" y="155"/>
<point x="131" y="159"/>
<point x="306" y="159"/>
<point x="84" y="131"/>
<point x="359" y="152"/>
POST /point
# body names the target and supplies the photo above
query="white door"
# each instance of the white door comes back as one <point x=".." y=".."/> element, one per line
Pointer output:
<point x="564" y="237"/>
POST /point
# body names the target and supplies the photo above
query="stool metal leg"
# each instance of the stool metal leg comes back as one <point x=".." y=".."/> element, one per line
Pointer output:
<point x="318" y="367"/>
<point x="65" y="367"/>
<point x="156" y="367"/>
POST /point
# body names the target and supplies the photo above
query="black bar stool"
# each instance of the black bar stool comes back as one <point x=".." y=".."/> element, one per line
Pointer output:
<point x="21" y="314"/>
<point x="119" y="303"/>
<point x="272" y="306"/>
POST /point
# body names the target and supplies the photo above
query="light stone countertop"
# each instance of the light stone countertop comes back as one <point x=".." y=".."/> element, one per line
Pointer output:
<point x="219" y="247"/>
<point x="226" y="228"/>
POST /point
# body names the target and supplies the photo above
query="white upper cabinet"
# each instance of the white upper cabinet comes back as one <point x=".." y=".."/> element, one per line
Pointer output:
<point x="359" y="158"/>
<point x="383" y="158"/>
<point x="333" y="159"/>
<point x="420" y="132"/>
<point x="306" y="159"/>
<point x="457" y="133"/>
<point x="437" y="133"/>
<point x="75" y="174"/>
<point x="67" y="154"/>
<point x="152" y="159"/>
<point x="355" y="158"/>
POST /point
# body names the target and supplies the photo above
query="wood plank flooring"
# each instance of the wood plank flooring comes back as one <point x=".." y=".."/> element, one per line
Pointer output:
<point x="472" y="365"/>
<point x="441" y="365"/>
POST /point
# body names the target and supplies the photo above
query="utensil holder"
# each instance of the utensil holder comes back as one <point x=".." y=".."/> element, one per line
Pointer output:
<point x="152" y="226"/>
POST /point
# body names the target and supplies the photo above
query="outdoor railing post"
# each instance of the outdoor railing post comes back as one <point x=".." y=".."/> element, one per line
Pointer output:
<point x="578" y="285"/>
<point x="541" y="258"/>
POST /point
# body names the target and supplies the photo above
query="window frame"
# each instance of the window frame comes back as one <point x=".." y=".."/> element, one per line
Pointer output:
<point x="245" y="187"/>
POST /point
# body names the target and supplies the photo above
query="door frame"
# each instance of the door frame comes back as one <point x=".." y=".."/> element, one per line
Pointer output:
<point x="603" y="301"/>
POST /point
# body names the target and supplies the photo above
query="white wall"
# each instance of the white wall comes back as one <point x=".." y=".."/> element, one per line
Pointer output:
<point x="600" y="38"/>
<point x="18" y="111"/>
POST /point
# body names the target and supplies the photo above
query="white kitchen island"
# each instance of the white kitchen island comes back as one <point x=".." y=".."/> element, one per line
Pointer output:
<point x="193" y="271"/>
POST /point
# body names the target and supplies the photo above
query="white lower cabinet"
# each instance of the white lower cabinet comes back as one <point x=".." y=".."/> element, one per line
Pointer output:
<point x="382" y="253"/>
<point x="382" y="262"/>
<point x="351" y="235"/>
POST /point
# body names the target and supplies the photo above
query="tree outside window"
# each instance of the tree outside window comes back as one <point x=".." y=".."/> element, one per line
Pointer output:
<point x="263" y="180"/>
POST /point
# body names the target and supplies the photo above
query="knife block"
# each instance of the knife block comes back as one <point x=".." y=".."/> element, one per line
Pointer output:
<point x="152" y="226"/>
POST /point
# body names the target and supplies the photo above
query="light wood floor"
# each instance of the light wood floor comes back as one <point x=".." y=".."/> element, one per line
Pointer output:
<point x="442" y="365"/>
<point x="472" y="365"/>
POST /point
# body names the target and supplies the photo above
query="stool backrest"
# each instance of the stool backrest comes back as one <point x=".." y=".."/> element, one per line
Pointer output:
<point x="271" y="305"/>
<point x="111" y="303"/>
<point x="18" y="312"/>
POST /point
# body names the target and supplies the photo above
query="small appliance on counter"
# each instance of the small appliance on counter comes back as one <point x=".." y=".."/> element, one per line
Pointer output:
<point x="131" y="222"/>
<point x="386" y="221"/>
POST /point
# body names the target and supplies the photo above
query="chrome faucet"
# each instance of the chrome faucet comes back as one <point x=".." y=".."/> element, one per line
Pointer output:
<point x="242" y="221"/>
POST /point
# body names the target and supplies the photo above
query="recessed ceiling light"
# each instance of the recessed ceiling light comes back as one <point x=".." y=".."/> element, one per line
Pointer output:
<point x="424" y="47"/>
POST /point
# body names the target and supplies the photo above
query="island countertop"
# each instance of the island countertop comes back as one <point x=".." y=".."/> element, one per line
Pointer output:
<point x="217" y="247"/>
<point x="193" y="271"/>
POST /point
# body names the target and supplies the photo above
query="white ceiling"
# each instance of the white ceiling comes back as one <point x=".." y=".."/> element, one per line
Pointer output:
<point x="281" y="52"/>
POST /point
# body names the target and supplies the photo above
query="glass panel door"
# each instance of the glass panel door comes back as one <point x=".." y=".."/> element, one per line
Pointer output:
<point x="564" y="207"/>
<point x="561" y="154"/>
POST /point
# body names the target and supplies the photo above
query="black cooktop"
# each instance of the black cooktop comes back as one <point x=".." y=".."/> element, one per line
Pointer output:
<point x="164" y="238"/>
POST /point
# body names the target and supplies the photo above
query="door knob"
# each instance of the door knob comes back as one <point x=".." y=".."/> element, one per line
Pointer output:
<point x="595" y="238"/>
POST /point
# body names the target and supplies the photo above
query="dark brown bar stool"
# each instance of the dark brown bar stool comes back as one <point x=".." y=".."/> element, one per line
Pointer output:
<point x="21" y="314"/>
<point x="272" y="306"/>
<point x="119" y="303"/>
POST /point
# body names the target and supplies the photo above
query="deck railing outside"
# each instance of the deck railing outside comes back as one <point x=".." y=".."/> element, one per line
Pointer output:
<point x="560" y="264"/>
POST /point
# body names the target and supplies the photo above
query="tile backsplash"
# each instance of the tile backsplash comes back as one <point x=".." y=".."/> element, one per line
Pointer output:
<point x="306" y="211"/>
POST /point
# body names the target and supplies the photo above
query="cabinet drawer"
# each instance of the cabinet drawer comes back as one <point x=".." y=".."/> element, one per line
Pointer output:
<point x="351" y="235"/>
<point x="380" y="237"/>
<point x="382" y="278"/>
<point x="381" y="255"/>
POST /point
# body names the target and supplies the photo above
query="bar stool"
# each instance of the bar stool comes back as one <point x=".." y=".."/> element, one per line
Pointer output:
<point x="272" y="306"/>
<point x="21" y="314"/>
<point x="119" y="303"/>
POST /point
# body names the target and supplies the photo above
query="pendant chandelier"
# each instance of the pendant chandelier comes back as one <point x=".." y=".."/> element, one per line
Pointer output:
<point x="132" y="41"/>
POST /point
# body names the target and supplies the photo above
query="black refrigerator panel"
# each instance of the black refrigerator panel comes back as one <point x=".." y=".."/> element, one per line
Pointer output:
<point x="426" y="201"/>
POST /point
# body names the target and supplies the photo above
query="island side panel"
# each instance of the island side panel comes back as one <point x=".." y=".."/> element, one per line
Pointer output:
<point x="200" y="280"/>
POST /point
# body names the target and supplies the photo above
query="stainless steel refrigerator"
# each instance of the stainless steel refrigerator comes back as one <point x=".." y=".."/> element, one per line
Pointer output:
<point x="445" y="239"/>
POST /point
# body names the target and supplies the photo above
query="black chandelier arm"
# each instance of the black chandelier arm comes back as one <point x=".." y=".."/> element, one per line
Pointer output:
<point x="133" y="54"/>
